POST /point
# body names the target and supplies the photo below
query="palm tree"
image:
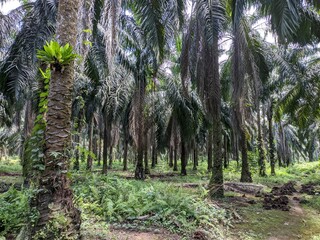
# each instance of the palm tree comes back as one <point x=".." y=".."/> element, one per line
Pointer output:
<point x="201" y="39"/>
<point x="55" y="196"/>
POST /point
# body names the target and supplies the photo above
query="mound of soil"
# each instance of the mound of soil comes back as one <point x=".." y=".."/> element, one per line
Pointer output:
<point x="201" y="235"/>
<point x="286" y="189"/>
<point x="308" y="189"/>
<point x="281" y="203"/>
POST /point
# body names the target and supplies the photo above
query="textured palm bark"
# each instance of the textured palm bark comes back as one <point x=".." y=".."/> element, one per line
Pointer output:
<point x="209" y="149"/>
<point x="262" y="157"/>
<point x="271" y="140"/>
<point x="216" y="181"/>
<point x="154" y="156"/>
<point x="170" y="155"/>
<point x="195" y="155"/>
<point x="106" y="139"/>
<point x="238" y="105"/>
<point x="110" y="156"/>
<point x="146" y="161"/>
<point x="183" y="157"/>
<point x="175" y="149"/>
<point x="99" y="148"/>
<point x="125" y="156"/>
<point x="54" y="195"/>
<point x="226" y="153"/>
<point x="90" y="136"/>
<point x="139" y="171"/>
<point x="245" y="169"/>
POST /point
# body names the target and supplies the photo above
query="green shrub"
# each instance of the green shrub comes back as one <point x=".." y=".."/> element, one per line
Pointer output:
<point x="14" y="210"/>
<point x="163" y="204"/>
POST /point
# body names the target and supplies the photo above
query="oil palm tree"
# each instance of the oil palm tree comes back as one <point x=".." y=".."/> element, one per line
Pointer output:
<point x="55" y="195"/>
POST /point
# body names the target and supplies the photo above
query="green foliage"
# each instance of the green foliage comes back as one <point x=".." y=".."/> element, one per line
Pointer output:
<point x="165" y="205"/>
<point x="15" y="211"/>
<point x="56" y="55"/>
<point x="34" y="146"/>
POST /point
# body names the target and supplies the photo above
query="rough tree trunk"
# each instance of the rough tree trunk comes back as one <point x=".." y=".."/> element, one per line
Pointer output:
<point x="90" y="133"/>
<point x="171" y="157"/>
<point x="245" y="169"/>
<point x="271" y="140"/>
<point x="139" y="172"/>
<point x="54" y="196"/>
<point x="262" y="156"/>
<point x="125" y="156"/>
<point x="183" y="157"/>
<point x="216" y="181"/>
<point x="106" y="139"/>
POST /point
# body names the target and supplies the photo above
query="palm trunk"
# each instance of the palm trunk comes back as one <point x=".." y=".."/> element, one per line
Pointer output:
<point x="90" y="133"/>
<point x="154" y="156"/>
<point x="175" y="152"/>
<point x="209" y="149"/>
<point x="216" y="181"/>
<point x="245" y="170"/>
<point x="170" y="156"/>
<point x="106" y="137"/>
<point x="110" y="157"/>
<point x="225" y="155"/>
<point x="125" y="156"/>
<point x="77" y="144"/>
<point x="195" y="155"/>
<point x="262" y="158"/>
<point x="54" y="196"/>
<point x="146" y="161"/>
<point x="139" y="172"/>
<point x="183" y="157"/>
<point x="271" y="140"/>
<point x="99" y="149"/>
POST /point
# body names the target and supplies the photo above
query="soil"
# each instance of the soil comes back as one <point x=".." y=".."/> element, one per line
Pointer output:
<point x="7" y="174"/>
<point x="286" y="189"/>
<point x="117" y="234"/>
<point x="308" y="189"/>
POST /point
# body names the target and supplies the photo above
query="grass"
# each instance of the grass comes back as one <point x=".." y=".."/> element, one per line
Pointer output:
<point x="10" y="165"/>
<point x="161" y="203"/>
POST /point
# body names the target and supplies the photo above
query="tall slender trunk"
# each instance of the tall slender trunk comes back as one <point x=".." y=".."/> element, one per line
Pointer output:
<point x="209" y="149"/>
<point x="238" y="96"/>
<point x="175" y="151"/>
<point x="106" y="139"/>
<point x="245" y="169"/>
<point x="216" y="181"/>
<point x="146" y="160"/>
<point x="262" y="156"/>
<point x="225" y="155"/>
<point x="154" y="156"/>
<point x="183" y="157"/>
<point x="76" y="165"/>
<point x="99" y="148"/>
<point x="90" y="134"/>
<point x="271" y="140"/>
<point x="195" y="155"/>
<point x="139" y="172"/>
<point x="170" y="156"/>
<point x="110" y="157"/>
<point x="54" y="196"/>
<point x="125" y="156"/>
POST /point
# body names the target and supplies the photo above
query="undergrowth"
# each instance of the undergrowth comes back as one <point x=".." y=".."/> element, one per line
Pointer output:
<point x="14" y="210"/>
<point x="158" y="204"/>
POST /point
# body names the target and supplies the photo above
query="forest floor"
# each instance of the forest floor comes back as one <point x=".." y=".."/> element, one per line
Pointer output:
<point x="291" y="214"/>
